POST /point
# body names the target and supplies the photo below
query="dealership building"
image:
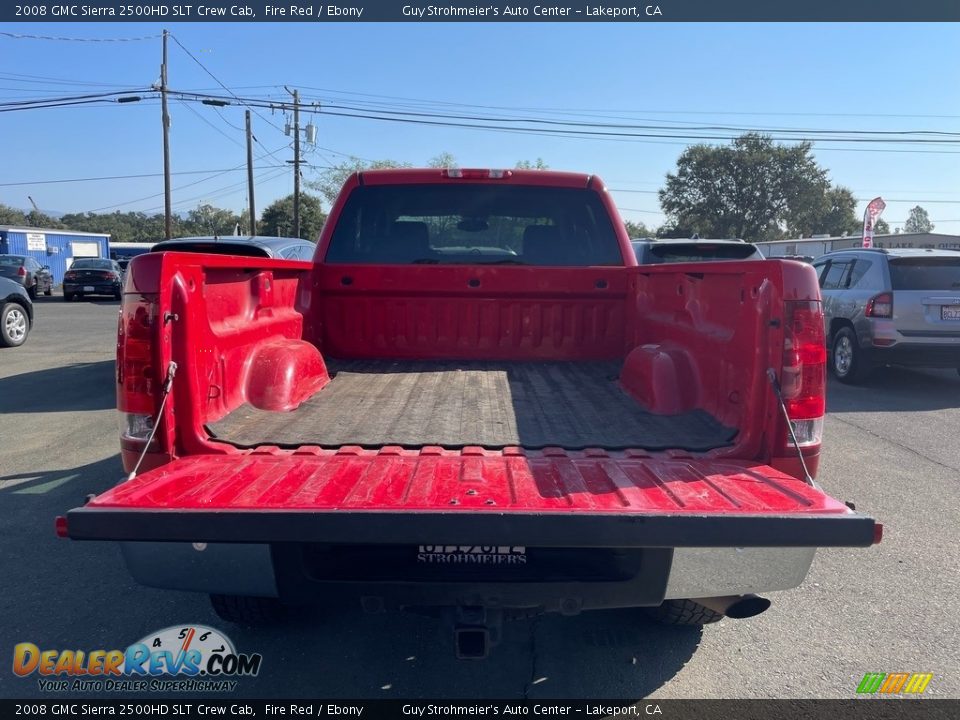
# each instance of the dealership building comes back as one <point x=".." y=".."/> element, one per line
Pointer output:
<point x="54" y="248"/>
<point x="816" y="246"/>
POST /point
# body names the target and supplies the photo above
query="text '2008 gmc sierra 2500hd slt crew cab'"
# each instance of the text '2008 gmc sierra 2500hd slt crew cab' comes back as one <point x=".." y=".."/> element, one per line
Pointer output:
<point x="475" y="401"/>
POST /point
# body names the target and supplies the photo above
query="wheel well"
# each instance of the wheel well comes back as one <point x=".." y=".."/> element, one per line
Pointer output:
<point x="835" y="325"/>
<point x="18" y="301"/>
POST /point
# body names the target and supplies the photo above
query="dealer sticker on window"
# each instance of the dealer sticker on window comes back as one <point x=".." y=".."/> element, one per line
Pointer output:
<point x="472" y="554"/>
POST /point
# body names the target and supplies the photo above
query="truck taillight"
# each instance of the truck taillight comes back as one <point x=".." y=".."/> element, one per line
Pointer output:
<point x="138" y="387"/>
<point x="880" y="306"/>
<point x="476" y="174"/>
<point x="803" y="378"/>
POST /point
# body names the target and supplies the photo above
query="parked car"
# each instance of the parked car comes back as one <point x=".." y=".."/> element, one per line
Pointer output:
<point x="248" y="246"/>
<point x="16" y="313"/>
<point x="33" y="276"/>
<point x="890" y="306"/>
<point x="92" y="276"/>
<point x="652" y="251"/>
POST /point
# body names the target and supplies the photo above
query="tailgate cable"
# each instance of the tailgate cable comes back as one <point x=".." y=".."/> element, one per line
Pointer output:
<point x="168" y="383"/>
<point x="786" y="416"/>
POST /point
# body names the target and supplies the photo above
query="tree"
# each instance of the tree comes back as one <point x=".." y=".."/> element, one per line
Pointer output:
<point x="12" y="216"/>
<point x="637" y="229"/>
<point x="277" y="219"/>
<point x="537" y="164"/>
<point x="918" y="221"/>
<point x="753" y="189"/>
<point x="210" y="220"/>
<point x="829" y="212"/>
<point x="332" y="179"/>
<point x="443" y="160"/>
<point x="35" y="218"/>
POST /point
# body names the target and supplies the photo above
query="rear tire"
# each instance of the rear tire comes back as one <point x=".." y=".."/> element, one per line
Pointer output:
<point x="246" y="610"/>
<point x="683" y="612"/>
<point x="48" y="292"/>
<point x="849" y="366"/>
<point x="32" y="292"/>
<point x="67" y="297"/>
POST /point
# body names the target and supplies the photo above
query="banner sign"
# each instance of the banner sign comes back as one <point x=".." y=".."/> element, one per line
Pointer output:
<point x="870" y="217"/>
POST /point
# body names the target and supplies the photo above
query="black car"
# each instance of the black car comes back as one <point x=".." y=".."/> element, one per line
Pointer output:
<point x="16" y="313"/>
<point x="93" y="276"/>
<point x="245" y="245"/>
<point x="653" y="252"/>
<point x="23" y="269"/>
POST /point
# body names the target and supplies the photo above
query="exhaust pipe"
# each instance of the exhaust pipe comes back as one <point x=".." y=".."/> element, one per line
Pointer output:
<point x="737" y="607"/>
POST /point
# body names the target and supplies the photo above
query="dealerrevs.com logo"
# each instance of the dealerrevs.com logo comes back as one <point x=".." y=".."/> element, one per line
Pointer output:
<point x="181" y="658"/>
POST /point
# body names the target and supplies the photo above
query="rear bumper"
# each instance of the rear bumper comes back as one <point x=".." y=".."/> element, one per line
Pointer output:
<point x="258" y="570"/>
<point x="99" y="288"/>
<point x="928" y="355"/>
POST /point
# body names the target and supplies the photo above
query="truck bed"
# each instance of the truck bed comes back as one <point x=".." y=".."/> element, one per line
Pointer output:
<point x="376" y="403"/>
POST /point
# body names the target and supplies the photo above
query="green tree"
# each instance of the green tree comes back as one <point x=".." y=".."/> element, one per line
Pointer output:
<point x="537" y="164"/>
<point x="753" y="189"/>
<point x="918" y="221"/>
<point x="277" y="218"/>
<point x="831" y="212"/>
<point x="443" y="160"/>
<point x="12" y="216"/>
<point x="38" y="219"/>
<point x="210" y="220"/>
<point x="637" y="229"/>
<point x="122" y="226"/>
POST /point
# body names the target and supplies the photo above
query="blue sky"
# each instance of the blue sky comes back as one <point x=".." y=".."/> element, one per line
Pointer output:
<point x="820" y="76"/>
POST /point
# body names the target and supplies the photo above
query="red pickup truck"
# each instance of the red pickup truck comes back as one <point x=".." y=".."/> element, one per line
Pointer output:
<point x="472" y="400"/>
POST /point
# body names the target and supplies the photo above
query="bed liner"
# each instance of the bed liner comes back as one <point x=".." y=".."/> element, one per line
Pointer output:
<point x="373" y="403"/>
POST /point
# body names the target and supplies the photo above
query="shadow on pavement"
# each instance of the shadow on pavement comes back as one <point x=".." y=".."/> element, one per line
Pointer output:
<point x="611" y="653"/>
<point x="895" y="389"/>
<point x="71" y="388"/>
<point x="91" y="478"/>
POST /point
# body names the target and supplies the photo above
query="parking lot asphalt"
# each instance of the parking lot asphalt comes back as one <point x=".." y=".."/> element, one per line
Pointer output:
<point x="892" y="447"/>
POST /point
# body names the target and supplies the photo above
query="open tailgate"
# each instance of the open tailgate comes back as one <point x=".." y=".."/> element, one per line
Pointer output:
<point x="550" y="498"/>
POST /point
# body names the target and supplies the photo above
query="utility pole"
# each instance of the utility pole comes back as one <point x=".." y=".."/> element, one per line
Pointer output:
<point x="167" y="201"/>
<point x="253" y="212"/>
<point x="296" y="163"/>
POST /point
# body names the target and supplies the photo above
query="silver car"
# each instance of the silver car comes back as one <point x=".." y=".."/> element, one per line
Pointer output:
<point x="890" y="306"/>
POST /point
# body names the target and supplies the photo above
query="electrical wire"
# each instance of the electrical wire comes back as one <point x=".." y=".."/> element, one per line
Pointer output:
<point x="115" y="177"/>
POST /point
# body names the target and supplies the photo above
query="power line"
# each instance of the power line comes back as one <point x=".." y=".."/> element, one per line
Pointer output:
<point x="71" y="98"/>
<point x="601" y="128"/>
<point x="220" y="83"/>
<point x="113" y="177"/>
<point x="648" y="112"/>
<point x="212" y="126"/>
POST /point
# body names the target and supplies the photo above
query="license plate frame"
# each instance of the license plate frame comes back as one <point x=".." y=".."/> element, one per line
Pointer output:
<point x="88" y="288"/>
<point x="950" y="313"/>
